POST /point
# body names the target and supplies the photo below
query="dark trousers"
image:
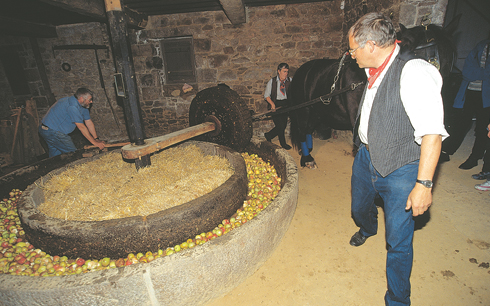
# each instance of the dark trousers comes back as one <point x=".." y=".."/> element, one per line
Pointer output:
<point x="473" y="107"/>
<point x="280" y="124"/>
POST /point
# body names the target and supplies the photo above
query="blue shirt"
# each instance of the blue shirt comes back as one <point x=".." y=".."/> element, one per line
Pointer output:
<point x="472" y="71"/>
<point x="64" y="113"/>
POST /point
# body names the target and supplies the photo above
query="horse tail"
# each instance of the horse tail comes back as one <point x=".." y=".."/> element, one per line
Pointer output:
<point x="294" y="131"/>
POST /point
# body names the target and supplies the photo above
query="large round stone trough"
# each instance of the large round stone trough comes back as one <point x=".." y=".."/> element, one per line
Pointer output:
<point x="118" y="237"/>
<point x="190" y="277"/>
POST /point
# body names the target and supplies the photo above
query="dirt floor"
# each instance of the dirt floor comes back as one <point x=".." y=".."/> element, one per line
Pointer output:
<point x="315" y="265"/>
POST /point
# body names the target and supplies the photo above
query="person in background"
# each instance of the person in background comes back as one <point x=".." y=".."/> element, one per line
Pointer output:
<point x="473" y="101"/>
<point x="399" y="131"/>
<point x="276" y="95"/>
<point x="63" y="117"/>
<point x="486" y="186"/>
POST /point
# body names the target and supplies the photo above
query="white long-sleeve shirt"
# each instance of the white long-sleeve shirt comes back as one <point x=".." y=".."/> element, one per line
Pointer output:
<point x="420" y="91"/>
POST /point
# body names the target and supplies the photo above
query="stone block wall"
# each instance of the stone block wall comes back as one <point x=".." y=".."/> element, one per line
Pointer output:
<point x="412" y="12"/>
<point x="244" y="57"/>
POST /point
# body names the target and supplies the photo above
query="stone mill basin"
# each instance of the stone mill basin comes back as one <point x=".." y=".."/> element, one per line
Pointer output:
<point x="116" y="238"/>
<point x="191" y="277"/>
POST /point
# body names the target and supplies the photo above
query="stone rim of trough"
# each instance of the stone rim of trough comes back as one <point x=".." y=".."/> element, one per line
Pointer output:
<point x="191" y="277"/>
<point x="117" y="238"/>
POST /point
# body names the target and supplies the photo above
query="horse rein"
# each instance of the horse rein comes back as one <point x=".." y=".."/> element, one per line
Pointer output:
<point x="325" y="99"/>
<point x="335" y="79"/>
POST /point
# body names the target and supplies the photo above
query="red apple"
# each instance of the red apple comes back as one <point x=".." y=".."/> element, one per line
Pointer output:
<point x="80" y="262"/>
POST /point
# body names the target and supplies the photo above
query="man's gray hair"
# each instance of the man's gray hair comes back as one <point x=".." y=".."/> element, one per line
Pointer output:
<point x="376" y="27"/>
<point x="83" y="92"/>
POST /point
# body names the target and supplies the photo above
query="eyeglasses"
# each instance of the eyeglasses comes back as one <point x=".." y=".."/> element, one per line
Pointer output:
<point x="352" y="51"/>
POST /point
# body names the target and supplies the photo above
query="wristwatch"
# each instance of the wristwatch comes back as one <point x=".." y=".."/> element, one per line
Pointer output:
<point x="426" y="183"/>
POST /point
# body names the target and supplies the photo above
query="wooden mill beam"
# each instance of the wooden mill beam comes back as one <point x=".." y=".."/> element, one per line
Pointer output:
<point x="123" y="58"/>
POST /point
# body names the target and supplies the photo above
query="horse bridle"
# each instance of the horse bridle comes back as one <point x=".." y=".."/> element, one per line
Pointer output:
<point x="352" y="86"/>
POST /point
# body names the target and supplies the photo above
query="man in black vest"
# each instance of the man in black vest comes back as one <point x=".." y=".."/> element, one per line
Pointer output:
<point x="276" y="95"/>
<point x="399" y="131"/>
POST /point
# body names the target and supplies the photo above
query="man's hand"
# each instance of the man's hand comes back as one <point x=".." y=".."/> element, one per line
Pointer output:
<point x="419" y="200"/>
<point x="271" y="103"/>
<point x="99" y="143"/>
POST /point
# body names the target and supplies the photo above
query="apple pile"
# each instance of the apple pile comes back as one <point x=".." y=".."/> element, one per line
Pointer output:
<point x="19" y="257"/>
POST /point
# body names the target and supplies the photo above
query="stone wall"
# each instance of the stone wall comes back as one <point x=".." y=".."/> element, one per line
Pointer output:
<point x="412" y="12"/>
<point x="244" y="57"/>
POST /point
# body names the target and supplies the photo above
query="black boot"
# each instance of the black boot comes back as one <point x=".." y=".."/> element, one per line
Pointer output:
<point x="469" y="163"/>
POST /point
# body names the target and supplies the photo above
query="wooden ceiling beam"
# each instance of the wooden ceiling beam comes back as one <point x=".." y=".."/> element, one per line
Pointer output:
<point x="234" y="10"/>
<point x="91" y="8"/>
<point x="15" y="27"/>
<point x="96" y="9"/>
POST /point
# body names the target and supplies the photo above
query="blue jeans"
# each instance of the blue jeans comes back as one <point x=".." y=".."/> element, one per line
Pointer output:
<point x="367" y="184"/>
<point x="58" y="143"/>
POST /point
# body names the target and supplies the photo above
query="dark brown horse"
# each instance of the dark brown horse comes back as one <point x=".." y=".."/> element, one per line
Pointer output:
<point x="316" y="78"/>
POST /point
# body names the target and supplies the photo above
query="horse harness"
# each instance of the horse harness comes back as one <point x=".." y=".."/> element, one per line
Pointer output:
<point x="429" y="51"/>
<point x="325" y="99"/>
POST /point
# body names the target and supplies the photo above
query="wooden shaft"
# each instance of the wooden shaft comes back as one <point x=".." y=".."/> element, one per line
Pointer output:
<point x="151" y="145"/>
<point x="108" y="145"/>
<point x="113" y="5"/>
<point x="19" y="112"/>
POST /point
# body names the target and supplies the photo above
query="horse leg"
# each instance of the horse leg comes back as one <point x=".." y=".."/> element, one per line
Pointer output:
<point x="307" y="145"/>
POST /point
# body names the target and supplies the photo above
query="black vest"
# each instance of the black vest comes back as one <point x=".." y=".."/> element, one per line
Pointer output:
<point x="390" y="133"/>
<point x="274" y="87"/>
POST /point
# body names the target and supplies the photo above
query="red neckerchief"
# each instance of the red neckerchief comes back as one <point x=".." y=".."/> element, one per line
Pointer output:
<point x="283" y="86"/>
<point x="375" y="72"/>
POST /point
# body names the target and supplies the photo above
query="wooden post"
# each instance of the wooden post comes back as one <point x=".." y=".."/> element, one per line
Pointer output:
<point x="123" y="58"/>
<point x="42" y="70"/>
<point x="16" y="112"/>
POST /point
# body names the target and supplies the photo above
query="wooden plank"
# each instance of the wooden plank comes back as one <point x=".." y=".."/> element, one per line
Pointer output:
<point x="15" y="112"/>
<point x="161" y="142"/>
<point x="32" y="136"/>
<point x="42" y="70"/>
<point x="108" y="145"/>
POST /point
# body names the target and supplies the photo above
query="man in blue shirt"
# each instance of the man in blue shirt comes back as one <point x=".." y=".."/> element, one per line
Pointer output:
<point x="63" y="117"/>
<point x="473" y="101"/>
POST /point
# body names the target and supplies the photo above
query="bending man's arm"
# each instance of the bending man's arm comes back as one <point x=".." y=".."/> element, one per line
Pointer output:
<point x="420" y="198"/>
<point x="88" y="130"/>
<point x="91" y="128"/>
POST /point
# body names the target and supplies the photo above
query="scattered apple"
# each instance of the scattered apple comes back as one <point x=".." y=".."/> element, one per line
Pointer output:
<point x="19" y="257"/>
